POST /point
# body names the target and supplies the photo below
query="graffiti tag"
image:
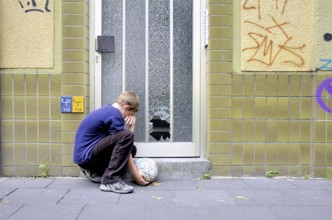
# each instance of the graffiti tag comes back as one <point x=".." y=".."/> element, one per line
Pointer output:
<point x="327" y="64"/>
<point x="325" y="85"/>
<point x="270" y="38"/>
<point x="33" y="6"/>
<point x="256" y="5"/>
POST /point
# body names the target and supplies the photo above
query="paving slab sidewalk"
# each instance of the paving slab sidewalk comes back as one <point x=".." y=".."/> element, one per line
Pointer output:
<point x="218" y="198"/>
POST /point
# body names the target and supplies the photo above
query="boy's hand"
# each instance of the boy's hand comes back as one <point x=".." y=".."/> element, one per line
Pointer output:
<point x="130" y="120"/>
<point x="140" y="178"/>
<point x="137" y="174"/>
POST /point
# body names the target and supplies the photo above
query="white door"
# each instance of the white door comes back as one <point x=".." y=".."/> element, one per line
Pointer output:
<point x="154" y="56"/>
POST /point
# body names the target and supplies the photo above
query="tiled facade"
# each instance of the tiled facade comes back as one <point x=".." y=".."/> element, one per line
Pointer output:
<point x="34" y="131"/>
<point x="256" y="121"/>
<point x="261" y="121"/>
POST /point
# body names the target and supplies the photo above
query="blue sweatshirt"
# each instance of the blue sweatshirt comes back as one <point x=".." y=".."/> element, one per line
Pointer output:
<point x="95" y="126"/>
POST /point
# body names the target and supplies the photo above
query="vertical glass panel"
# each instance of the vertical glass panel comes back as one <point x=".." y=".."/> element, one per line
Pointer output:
<point x="159" y="85"/>
<point x="135" y="59"/>
<point x="112" y="62"/>
<point x="183" y="78"/>
<point x="159" y="76"/>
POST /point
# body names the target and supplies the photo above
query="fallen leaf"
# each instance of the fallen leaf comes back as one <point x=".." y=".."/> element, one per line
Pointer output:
<point x="241" y="197"/>
<point x="6" y="202"/>
<point x="157" y="197"/>
<point x="155" y="184"/>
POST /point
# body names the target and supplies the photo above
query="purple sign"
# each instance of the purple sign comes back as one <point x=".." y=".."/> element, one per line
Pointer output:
<point x="326" y="84"/>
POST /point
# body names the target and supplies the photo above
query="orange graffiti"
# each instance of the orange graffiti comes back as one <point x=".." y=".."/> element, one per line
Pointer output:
<point x="266" y="52"/>
<point x="271" y="41"/>
<point x="283" y="7"/>
<point x="256" y="5"/>
<point x="246" y="7"/>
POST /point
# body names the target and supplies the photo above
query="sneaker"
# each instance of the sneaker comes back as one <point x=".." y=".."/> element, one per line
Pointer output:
<point x="92" y="176"/>
<point x="118" y="187"/>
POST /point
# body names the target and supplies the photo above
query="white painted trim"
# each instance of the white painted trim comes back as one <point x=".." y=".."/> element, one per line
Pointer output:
<point x="197" y="77"/>
<point x="95" y="57"/>
<point x="202" y="123"/>
<point x="92" y="85"/>
<point x="171" y="67"/>
<point x="147" y="70"/>
<point x="123" y="45"/>
<point x="165" y="149"/>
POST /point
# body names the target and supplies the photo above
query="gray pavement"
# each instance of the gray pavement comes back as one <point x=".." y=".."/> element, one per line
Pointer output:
<point x="233" y="198"/>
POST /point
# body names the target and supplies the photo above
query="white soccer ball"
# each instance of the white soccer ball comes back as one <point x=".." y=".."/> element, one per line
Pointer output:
<point x="148" y="167"/>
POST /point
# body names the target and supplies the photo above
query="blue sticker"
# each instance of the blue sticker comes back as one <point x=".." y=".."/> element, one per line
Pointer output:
<point x="66" y="104"/>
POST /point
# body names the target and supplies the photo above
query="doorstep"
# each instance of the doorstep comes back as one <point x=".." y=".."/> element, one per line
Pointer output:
<point x="179" y="168"/>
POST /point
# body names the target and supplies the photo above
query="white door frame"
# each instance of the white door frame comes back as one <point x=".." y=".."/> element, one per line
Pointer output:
<point x="158" y="149"/>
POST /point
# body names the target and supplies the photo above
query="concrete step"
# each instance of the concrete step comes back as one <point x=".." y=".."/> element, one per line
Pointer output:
<point x="182" y="168"/>
<point x="179" y="168"/>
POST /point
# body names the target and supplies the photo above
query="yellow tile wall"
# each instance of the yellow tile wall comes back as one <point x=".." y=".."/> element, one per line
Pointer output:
<point x="75" y="69"/>
<point x="31" y="131"/>
<point x="34" y="131"/>
<point x="273" y="119"/>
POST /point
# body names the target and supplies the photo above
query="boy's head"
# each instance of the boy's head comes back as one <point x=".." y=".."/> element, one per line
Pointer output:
<point x="128" y="98"/>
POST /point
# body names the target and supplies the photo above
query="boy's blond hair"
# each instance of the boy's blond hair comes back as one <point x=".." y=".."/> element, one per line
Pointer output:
<point x="128" y="98"/>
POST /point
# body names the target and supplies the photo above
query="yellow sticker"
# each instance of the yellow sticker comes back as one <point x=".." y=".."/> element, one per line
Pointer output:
<point x="78" y="104"/>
